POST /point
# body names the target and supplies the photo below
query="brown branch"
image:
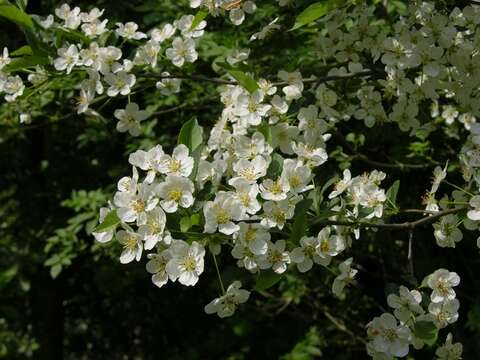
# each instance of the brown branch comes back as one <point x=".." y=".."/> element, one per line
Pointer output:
<point x="397" y="165"/>
<point x="406" y="225"/>
<point x="311" y="79"/>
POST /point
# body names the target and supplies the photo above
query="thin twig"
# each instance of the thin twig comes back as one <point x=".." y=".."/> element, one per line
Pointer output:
<point x="397" y="165"/>
<point x="406" y="225"/>
<point x="311" y="79"/>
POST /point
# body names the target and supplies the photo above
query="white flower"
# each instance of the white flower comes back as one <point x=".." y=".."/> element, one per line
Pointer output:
<point x="186" y="263"/>
<point x="13" y="87"/>
<point x="184" y="24"/>
<point x="4" y="59"/>
<point x="95" y="28"/>
<point x="296" y="175"/>
<point x="406" y="304"/>
<point x="283" y="135"/>
<point x="181" y="51"/>
<point x="246" y="147"/>
<point x="160" y="35"/>
<point x="439" y="175"/>
<point x="175" y="191"/>
<point x="157" y="265"/>
<point x="388" y="336"/>
<point x="147" y="161"/>
<point x="152" y="231"/>
<point x="449" y="113"/>
<point x="120" y="83"/>
<point x="237" y="16"/>
<point x="276" y="257"/>
<point x="276" y="213"/>
<point x="266" y="31"/>
<point x="250" y="108"/>
<point x="342" y="185"/>
<point x="328" y="246"/>
<point x="226" y="305"/>
<point x="180" y="163"/>
<point x="305" y="255"/>
<point x="238" y="55"/>
<point x="221" y="213"/>
<point x="441" y="282"/>
<point x="275" y="190"/>
<point x="130" y="118"/>
<point x="210" y="171"/>
<point x="25" y="118"/>
<point x="447" y="232"/>
<point x="134" y="205"/>
<point x="346" y="276"/>
<point x="444" y="313"/>
<point x="253" y="236"/>
<point x="246" y="193"/>
<point x="129" y="31"/>
<point x="295" y="84"/>
<point x="249" y="170"/>
<point x="474" y="214"/>
<point x="147" y="54"/>
<point x="310" y="124"/>
<point x="92" y="16"/>
<point x="449" y="351"/>
<point x="68" y="58"/>
<point x="132" y="246"/>
<point x="168" y="86"/>
<point x="71" y="17"/>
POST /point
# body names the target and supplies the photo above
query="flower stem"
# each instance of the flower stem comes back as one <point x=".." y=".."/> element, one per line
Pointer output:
<point x="218" y="274"/>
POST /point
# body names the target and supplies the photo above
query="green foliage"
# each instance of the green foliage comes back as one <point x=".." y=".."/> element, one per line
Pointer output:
<point x="191" y="135"/>
<point x="315" y="11"/>
<point x="426" y="331"/>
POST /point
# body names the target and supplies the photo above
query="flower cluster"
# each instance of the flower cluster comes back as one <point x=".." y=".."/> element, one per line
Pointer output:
<point x="391" y="335"/>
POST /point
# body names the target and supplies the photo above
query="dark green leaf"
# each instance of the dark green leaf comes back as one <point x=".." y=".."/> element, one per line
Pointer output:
<point x="265" y="130"/>
<point x="426" y="331"/>
<point x="243" y="79"/>
<point x="300" y="223"/>
<point x="26" y="62"/>
<point x="275" y="168"/>
<point x="109" y="223"/>
<point x="16" y="15"/>
<point x="266" y="279"/>
<point x="55" y="270"/>
<point x="315" y="11"/>
<point x="191" y="134"/>
<point x="199" y="16"/>
<point x="185" y="224"/>
<point x="24" y="50"/>
<point x="392" y="193"/>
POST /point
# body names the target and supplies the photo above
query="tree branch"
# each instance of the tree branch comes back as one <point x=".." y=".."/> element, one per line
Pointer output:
<point x="311" y="79"/>
<point x="406" y="225"/>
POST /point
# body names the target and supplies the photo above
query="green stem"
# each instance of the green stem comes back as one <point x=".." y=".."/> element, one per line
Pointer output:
<point x="218" y="274"/>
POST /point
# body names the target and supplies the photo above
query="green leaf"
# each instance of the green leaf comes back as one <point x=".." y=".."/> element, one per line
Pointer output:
<point x="16" y="15"/>
<point x="299" y="226"/>
<point x="315" y="11"/>
<point x="191" y="134"/>
<point x="265" y="130"/>
<point x="243" y="79"/>
<point x="55" y="270"/>
<point x="426" y="331"/>
<point x="109" y="223"/>
<point x="275" y="168"/>
<point x="24" y="50"/>
<point x="26" y="62"/>
<point x="185" y="224"/>
<point x="392" y="193"/>
<point x="266" y="279"/>
<point x="7" y="275"/>
<point x="199" y="16"/>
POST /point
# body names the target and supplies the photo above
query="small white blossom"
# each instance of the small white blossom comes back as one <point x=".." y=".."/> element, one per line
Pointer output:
<point x="226" y="304"/>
